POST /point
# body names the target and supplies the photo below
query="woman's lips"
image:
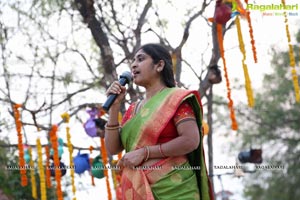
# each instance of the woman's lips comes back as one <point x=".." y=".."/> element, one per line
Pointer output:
<point x="135" y="73"/>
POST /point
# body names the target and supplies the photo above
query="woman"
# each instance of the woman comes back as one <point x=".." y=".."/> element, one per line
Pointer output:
<point x="161" y="134"/>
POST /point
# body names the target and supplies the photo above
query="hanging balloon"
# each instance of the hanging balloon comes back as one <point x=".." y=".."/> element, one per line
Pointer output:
<point x="60" y="147"/>
<point x="81" y="163"/>
<point x="222" y="13"/>
<point x="90" y="125"/>
<point x="26" y="155"/>
<point x="62" y="168"/>
<point x="97" y="167"/>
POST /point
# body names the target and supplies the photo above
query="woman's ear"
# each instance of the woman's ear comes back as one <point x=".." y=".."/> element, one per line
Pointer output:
<point x="160" y="65"/>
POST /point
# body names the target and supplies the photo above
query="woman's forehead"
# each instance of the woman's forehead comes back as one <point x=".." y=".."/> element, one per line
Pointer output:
<point x="140" y="52"/>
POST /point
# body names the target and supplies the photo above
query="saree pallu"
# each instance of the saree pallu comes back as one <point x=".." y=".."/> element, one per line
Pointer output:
<point x="181" y="177"/>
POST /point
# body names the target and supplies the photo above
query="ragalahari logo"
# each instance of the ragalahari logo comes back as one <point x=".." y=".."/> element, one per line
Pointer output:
<point x="277" y="9"/>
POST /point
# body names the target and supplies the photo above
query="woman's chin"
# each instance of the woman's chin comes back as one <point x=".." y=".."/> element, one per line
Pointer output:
<point x="137" y="82"/>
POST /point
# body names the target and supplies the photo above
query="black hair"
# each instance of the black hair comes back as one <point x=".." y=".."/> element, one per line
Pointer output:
<point x="157" y="52"/>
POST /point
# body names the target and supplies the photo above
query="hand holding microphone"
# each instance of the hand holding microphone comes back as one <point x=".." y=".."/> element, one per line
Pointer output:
<point x="116" y="92"/>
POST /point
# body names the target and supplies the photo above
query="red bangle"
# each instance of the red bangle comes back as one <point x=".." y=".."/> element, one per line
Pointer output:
<point x="112" y="125"/>
<point x="161" y="152"/>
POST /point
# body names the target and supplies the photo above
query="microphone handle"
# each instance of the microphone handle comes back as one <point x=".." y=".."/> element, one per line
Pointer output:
<point x="112" y="97"/>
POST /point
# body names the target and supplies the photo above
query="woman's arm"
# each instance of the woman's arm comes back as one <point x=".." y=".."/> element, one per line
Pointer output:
<point x="112" y="133"/>
<point x="112" y="130"/>
<point x="186" y="142"/>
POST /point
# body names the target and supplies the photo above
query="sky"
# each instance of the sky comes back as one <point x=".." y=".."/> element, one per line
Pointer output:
<point x="269" y="31"/>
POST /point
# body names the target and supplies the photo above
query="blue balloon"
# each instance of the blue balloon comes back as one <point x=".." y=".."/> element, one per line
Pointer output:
<point x="81" y="163"/>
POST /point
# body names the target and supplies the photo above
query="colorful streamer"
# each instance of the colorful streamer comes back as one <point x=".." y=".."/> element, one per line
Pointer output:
<point x="41" y="170"/>
<point x="24" y="180"/>
<point x="174" y="61"/>
<point x="54" y="142"/>
<point x="32" y="176"/>
<point x="248" y="86"/>
<point x="234" y="124"/>
<point x="91" y="163"/>
<point x="292" y="57"/>
<point x="251" y="34"/>
<point x="114" y="175"/>
<point x="48" y="173"/>
<point x="105" y="162"/>
<point x="66" y="117"/>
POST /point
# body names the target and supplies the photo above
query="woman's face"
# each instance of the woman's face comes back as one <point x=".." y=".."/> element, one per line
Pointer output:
<point x="144" y="71"/>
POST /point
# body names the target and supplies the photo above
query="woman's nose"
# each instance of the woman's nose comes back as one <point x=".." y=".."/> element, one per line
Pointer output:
<point x="133" y="65"/>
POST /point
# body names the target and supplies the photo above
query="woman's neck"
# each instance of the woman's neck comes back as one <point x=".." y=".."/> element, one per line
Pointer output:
<point x="153" y="90"/>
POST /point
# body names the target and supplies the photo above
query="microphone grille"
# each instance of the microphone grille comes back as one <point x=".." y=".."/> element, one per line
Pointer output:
<point x="127" y="75"/>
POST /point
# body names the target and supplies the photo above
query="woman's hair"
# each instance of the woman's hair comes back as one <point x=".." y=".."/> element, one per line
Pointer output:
<point x="157" y="53"/>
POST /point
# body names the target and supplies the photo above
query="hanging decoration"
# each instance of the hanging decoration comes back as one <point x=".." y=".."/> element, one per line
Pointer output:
<point x="105" y="162"/>
<point x="174" y="61"/>
<point x="60" y="151"/>
<point x="292" y="57"/>
<point x="48" y="173"/>
<point x="41" y="170"/>
<point x="81" y="163"/>
<point x="32" y="175"/>
<point x="97" y="167"/>
<point x="26" y="154"/>
<point x="205" y="127"/>
<point x="66" y="118"/>
<point x="251" y="34"/>
<point x="234" y="124"/>
<point x="61" y="168"/>
<point x="248" y="86"/>
<point x="22" y="163"/>
<point x="91" y="164"/>
<point x="60" y="147"/>
<point x="57" y="164"/>
<point x="90" y="125"/>
<point x="222" y="13"/>
<point x="114" y="174"/>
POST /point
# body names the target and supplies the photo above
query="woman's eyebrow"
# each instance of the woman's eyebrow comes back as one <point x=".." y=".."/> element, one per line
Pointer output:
<point x="140" y="55"/>
<point x="137" y="56"/>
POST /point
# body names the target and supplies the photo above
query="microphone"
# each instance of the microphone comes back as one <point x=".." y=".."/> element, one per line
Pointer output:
<point x="125" y="78"/>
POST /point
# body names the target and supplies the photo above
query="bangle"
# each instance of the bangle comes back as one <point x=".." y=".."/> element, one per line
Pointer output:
<point x="161" y="152"/>
<point x="147" y="153"/>
<point x="109" y="127"/>
<point x="113" y="125"/>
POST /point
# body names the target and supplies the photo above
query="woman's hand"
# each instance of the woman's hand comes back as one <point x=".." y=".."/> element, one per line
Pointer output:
<point x="117" y="88"/>
<point x="132" y="159"/>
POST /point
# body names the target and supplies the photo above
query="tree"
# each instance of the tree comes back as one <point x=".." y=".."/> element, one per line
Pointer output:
<point x="71" y="51"/>
<point x="275" y="127"/>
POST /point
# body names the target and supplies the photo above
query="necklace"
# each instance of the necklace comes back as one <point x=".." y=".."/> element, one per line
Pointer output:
<point x="144" y="101"/>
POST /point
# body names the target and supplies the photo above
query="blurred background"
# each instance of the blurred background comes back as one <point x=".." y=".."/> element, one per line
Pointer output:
<point x="58" y="57"/>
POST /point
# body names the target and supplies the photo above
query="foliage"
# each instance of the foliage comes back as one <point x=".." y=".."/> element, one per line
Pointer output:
<point x="275" y="127"/>
<point x="10" y="178"/>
